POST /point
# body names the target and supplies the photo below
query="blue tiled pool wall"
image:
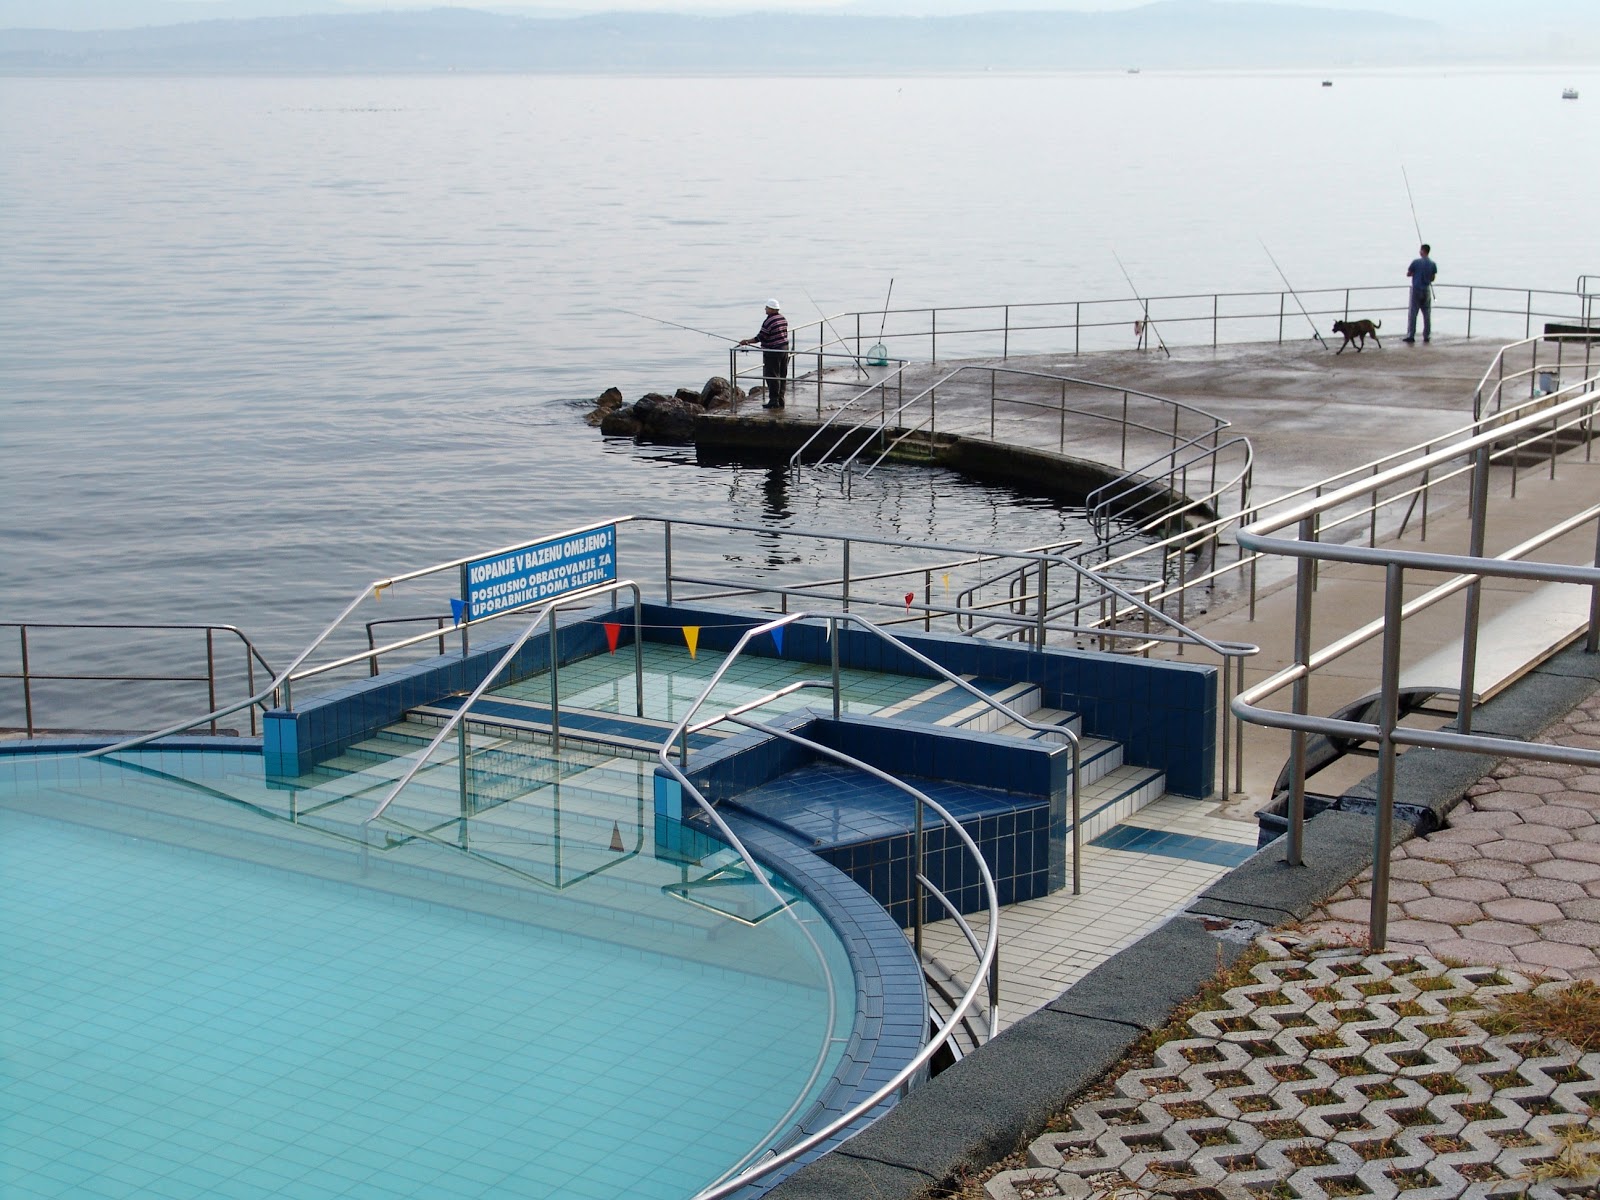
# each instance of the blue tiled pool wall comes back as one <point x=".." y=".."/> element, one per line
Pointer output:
<point x="1163" y="713"/>
<point x="890" y="1001"/>
<point x="1021" y="831"/>
<point x="295" y="742"/>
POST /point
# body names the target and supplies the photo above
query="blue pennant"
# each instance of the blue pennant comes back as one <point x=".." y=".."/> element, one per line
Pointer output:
<point x="458" y="609"/>
<point x="777" y="639"/>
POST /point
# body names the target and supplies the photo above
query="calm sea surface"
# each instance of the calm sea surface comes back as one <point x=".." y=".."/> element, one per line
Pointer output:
<point x="262" y="340"/>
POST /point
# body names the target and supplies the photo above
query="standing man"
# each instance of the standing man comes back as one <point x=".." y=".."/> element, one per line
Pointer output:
<point x="774" y="342"/>
<point x="1421" y="272"/>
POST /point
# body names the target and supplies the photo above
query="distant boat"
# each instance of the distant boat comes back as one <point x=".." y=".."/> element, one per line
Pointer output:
<point x="1569" y="93"/>
<point x="1133" y="70"/>
<point x="1327" y="83"/>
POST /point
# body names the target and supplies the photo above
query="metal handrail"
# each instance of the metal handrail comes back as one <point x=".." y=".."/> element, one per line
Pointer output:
<point x="459" y="716"/>
<point x="1202" y="309"/>
<point x="27" y="675"/>
<point x="821" y="354"/>
<point x="1497" y="370"/>
<point x="988" y="964"/>
<point x="1466" y="571"/>
<point x="375" y="589"/>
<point x="1217" y="424"/>
<point x="798" y="457"/>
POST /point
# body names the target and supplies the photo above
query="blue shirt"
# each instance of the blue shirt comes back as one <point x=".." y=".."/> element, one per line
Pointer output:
<point x="1422" y="270"/>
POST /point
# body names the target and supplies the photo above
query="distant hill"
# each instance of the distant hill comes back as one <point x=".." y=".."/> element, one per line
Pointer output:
<point x="1168" y="33"/>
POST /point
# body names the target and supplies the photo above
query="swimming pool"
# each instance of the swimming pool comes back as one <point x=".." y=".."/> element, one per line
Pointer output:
<point x="202" y="998"/>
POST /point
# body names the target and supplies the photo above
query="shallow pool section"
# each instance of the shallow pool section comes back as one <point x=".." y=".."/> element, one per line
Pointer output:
<point x="234" y="1009"/>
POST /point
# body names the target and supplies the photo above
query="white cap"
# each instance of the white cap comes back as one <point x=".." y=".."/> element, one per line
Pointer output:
<point x="772" y="303"/>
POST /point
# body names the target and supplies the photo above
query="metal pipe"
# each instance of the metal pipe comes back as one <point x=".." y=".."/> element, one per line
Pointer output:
<point x="1301" y="702"/>
<point x="27" y="681"/>
<point x="1388" y="718"/>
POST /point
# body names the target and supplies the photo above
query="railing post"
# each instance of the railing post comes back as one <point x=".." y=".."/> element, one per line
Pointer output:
<point x="933" y="335"/>
<point x="918" y="850"/>
<point x="1077" y="819"/>
<point x="1063" y="438"/>
<point x="845" y="601"/>
<point x="1280" y="318"/>
<point x="211" y="675"/>
<point x="1477" y="515"/>
<point x="1388" y="718"/>
<point x="1123" y="462"/>
<point x="1077" y="327"/>
<point x="1527" y="324"/>
<point x="1469" y="312"/>
<point x="927" y="600"/>
<point x="1591" y="642"/>
<point x="461" y="779"/>
<point x="1044" y="601"/>
<point x="1213" y="320"/>
<point x="991" y="404"/>
<point x="27" y="681"/>
<point x="638" y="651"/>
<point x="1301" y="699"/>
<point x="1005" y="337"/>
<point x="555" y="694"/>
<point x="833" y="654"/>
<point x="666" y="544"/>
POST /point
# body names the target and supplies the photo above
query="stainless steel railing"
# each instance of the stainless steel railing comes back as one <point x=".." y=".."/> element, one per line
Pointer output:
<point x="987" y="970"/>
<point x="880" y="377"/>
<point x="28" y="675"/>
<point x="457" y="721"/>
<point x="1497" y="440"/>
<point x="1194" y="319"/>
<point x="1542" y="374"/>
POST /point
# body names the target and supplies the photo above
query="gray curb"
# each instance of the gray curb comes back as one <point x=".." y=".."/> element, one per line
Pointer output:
<point x="994" y="1100"/>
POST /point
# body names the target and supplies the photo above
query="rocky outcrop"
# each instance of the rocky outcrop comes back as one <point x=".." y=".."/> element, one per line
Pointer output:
<point x="655" y="417"/>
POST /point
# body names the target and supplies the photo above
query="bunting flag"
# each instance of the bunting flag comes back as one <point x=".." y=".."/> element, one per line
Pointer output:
<point x="947" y="583"/>
<point x="616" y="837"/>
<point x="691" y="634"/>
<point x="777" y="638"/>
<point x="458" y="609"/>
<point x="910" y="596"/>
<point x="612" y="630"/>
<point x="377" y="593"/>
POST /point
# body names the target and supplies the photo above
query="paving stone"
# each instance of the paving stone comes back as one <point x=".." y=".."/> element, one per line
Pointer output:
<point x="1528" y="853"/>
<point x="1581" y="851"/>
<point x="1553" y="770"/>
<point x="1565" y="868"/>
<point x="1585" y="783"/>
<point x="1556" y="891"/>
<point x="1450" y="852"/>
<point x="1575" y="933"/>
<point x="1356" y="909"/>
<point x="1501" y="933"/>
<point x="1460" y="949"/>
<point x="1488" y="868"/>
<point x="1452" y="912"/>
<point x="1453" y="835"/>
<point x="1423" y="933"/>
<point x="1498" y="801"/>
<point x="1582" y="833"/>
<point x="1565" y="956"/>
<point x="1530" y="784"/>
<point x="1476" y="890"/>
<point x="1527" y="831"/>
<point x="1492" y="819"/>
<point x="1586" y="909"/>
<point x="1564" y="815"/>
<point x="1418" y="870"/>
<point x="1522" y="911"/>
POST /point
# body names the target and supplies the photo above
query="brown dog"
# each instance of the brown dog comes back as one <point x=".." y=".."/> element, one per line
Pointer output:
<point x="1357" y="332"/>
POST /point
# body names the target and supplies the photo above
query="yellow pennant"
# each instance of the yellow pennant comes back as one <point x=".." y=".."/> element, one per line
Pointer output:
<point x="691" y="634"/>
<point x="947" y="583"/>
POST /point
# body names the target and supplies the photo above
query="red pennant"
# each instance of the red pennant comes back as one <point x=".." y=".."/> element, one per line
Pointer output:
<point x="611" y="635"/>
<point x="910" y="596"/>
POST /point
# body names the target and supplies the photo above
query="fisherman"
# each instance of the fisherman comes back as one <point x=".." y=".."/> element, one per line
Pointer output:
<point x="774" y="342"/>
<point x="1421" y="273"/>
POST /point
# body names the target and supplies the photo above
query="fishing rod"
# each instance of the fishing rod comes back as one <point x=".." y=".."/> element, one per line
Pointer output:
<point x="721" y="337"/>
<point x="1147" y="323"/>
<point x="1315" y="332"/>
<point x="878" y="353"/>
<point x="1415" y="223"/>
<point x="834" y="333"/>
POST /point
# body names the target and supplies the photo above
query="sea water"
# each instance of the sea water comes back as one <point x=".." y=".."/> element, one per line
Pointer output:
<point x="265" y="339"/>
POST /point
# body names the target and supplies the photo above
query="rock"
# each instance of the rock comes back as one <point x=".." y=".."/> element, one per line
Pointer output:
<point x="666" y="418"/>
<point x="608" y="401"/>
<point x="718" y="393"/>
<point x="617" y="424"/>
<point x="688" y="396"/>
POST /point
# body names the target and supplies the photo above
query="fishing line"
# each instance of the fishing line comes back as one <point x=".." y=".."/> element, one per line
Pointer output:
<point x="721" y="337"/>
<point x="1148" y="323"/>
<point x="1315" y="332"/>
<point x="834" y="333"/>
<point x="1415" y="223"/>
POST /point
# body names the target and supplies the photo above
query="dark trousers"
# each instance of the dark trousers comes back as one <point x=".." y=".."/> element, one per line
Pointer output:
<point x="775" y="366"/>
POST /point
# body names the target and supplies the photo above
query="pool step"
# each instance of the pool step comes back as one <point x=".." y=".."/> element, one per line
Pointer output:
<point x="1117" y="795"/>
<point x="638" y="737"/>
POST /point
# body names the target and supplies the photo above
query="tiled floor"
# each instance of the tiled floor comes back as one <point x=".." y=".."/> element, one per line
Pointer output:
<point x="1047" y="945"/>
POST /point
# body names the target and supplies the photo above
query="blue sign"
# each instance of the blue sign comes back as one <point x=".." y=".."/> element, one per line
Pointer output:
<point x="542" y="571"/>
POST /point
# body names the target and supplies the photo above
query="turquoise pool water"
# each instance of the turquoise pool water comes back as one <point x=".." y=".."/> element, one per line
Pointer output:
<point x="181" y="1022"/>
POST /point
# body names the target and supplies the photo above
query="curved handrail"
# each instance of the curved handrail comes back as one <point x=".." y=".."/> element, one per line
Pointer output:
<point x="375" y="588"/>
<point x="798" y="456"/>
<point x="987" y="965"/>
<point x="505" y="660"/>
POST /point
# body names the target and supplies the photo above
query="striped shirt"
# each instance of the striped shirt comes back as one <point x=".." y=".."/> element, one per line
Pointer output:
<point x="774" y="333"/>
